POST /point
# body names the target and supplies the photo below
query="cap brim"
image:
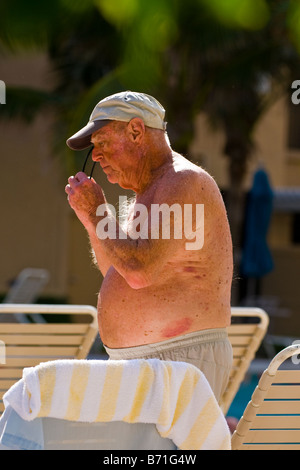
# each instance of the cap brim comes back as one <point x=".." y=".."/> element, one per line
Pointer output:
<point x="82" y="139"/>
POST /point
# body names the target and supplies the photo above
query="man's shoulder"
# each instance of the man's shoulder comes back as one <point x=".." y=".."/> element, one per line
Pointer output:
<point x="188" y="180"/>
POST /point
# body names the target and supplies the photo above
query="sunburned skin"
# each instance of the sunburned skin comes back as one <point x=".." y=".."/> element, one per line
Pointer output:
<point x="190" y="292"/>
<point x="154" y="290"/>
<point x="179" y="327"/>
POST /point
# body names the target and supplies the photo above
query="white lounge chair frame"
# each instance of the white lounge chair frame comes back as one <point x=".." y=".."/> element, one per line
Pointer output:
<point x="26" y="289"/>
<point x="271" y="420"/>
<point x="245" y="339"/>
<point x="28" y="344"/>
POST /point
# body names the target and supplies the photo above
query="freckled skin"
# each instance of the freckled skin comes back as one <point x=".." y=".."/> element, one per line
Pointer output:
<point x="184" y="295"/>
<point x="155" y="290"/>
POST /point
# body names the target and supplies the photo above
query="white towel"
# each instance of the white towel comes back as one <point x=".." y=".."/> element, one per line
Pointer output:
<point x="174" y="395"/>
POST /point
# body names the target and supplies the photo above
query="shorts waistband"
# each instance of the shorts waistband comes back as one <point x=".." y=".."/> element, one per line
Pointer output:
<point x="204" y="336"/>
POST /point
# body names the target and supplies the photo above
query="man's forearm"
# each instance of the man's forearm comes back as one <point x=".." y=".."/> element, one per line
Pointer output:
<point x="99" y="254"/>
<point x="128" y="256"/>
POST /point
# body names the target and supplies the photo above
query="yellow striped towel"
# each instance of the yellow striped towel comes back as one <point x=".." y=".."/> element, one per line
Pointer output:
<point x="174" y="395"/>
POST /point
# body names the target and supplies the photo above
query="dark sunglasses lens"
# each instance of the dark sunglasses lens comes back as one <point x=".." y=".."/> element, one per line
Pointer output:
<point x="85" y="163"/>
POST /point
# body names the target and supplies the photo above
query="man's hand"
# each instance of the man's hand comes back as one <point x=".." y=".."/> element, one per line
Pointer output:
<point x="84" y="196"/>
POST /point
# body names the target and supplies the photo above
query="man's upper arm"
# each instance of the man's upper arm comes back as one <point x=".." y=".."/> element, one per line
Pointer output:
<point x="174" y="219"/>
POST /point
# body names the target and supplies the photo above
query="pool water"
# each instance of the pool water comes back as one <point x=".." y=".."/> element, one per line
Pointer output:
<point x="243" y="396"/>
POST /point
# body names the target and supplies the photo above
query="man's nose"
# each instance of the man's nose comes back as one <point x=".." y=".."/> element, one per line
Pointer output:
<point x="96" y="155"/>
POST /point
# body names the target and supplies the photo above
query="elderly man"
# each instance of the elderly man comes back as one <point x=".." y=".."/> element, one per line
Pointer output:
<point x="162" y="296"/>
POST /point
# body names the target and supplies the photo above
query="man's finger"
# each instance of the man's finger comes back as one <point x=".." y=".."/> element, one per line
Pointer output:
<point x="68" y="189"/>
<point x="80" y="176"/>
<point x="73" y="181"/>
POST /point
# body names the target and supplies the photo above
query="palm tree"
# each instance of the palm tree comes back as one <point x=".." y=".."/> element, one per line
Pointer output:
<point x="191" y="55"/>
<point x="234" y="75"/>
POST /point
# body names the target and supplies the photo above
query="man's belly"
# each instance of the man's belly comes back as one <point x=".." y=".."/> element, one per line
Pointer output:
<point x="131" y="317"/>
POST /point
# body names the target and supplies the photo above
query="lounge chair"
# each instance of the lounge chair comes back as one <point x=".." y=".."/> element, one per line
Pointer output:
<point x="28" y="344"/>
<point x="271" y="420"/>
<point x="248" y="328"/>
<point x="25" y="290"/>
<point x="100" y="404"/>
<point x="27" y="286"/>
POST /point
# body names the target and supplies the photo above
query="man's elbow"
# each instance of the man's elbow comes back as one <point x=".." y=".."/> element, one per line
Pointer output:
<point x="137" y="280"/>
<point x="136" y="275"/>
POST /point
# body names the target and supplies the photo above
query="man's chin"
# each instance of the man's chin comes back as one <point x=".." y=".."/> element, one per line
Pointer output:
<point x="113" y="179"/>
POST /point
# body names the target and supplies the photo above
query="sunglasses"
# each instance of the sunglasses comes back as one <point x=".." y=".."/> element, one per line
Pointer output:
<point x="86" y="160"/>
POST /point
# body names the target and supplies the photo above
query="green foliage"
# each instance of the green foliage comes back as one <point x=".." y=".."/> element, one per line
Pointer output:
<point x="245" y="14"/>
<point x="210" y="55"/>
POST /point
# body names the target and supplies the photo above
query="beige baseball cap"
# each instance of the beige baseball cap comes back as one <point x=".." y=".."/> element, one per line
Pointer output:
<point x="122" y="106"/>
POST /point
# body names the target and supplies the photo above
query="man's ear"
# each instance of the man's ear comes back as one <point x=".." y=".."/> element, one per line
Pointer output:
<point x="136" y="128"/>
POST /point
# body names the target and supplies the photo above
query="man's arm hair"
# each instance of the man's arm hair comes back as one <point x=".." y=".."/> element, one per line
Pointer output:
<point x="140" y="260"/>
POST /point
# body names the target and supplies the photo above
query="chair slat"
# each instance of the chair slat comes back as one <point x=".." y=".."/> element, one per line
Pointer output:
<point x="6" y="384"/>
<point x="284" y="392"/>
<point x="276" y="422"/>
<point x="49" y="339"/>
<point x="249" y="326"/>
<point x="15" y="362"/>
<point x="273" y="436"/>
<point x="271" y="446"/>
<point x="12" y="373"/>
<point x="241" y="329"/>
<point x="240" y="340"/>
<point x="43" y="328"/>
<point x="238" y="351"/>
<point x="38" y="351"/>
<point x="280" y="407"/>
<point x="287" y="376"/>
<point x="272" y="417"/>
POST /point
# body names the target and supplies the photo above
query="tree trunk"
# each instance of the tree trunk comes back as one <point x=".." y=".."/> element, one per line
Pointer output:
<point x="235" y="205"/>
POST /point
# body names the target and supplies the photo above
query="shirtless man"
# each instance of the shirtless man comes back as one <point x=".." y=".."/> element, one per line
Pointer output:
<point x="158" y="297"/>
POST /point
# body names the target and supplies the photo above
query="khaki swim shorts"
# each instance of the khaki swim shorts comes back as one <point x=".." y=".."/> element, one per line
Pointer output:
<point x="209" y="350"/>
